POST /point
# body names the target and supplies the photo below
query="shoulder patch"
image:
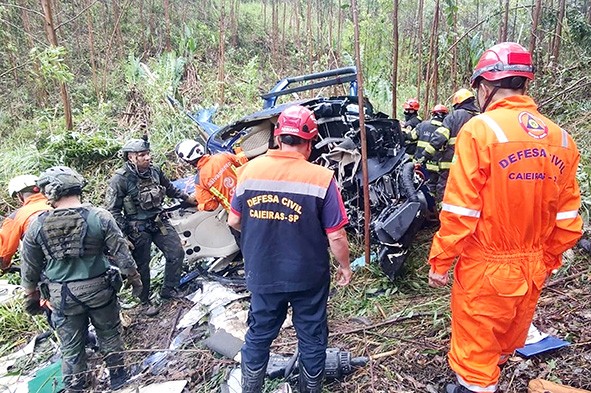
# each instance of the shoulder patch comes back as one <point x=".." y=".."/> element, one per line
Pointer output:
<point x="533" y="126"/>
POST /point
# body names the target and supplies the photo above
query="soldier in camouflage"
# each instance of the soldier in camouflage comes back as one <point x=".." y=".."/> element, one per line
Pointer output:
<point x="135" y="196"/>
<point x="65" y="257"/>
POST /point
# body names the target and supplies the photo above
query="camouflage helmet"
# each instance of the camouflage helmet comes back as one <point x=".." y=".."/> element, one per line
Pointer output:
<point x="59" y="181"/>
<point x="134" y="146"/>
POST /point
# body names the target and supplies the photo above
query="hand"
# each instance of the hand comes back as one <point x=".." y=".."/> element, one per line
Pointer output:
<point x="33" y="303"/>
<point x="129" y="243"/>
<point x="191" y="201"/>
<point x="438" y="280"/>
<point x="135" y="281"/>
<point x="344" y="276"/>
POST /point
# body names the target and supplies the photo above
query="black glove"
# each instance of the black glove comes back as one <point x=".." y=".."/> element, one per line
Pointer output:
<point x="135" y="281"/>
<point x="32" y="303"/>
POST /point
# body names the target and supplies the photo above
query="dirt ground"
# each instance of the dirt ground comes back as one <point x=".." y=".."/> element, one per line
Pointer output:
<point x="407" y="340"/>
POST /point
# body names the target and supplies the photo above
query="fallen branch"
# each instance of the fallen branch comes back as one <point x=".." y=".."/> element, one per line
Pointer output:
<point x="364" y="328"/>
<point x="563" y="279"/>
<point x="173" y="327"/>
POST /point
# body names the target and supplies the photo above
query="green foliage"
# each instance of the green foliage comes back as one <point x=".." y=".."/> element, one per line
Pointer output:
<point x="52" y="65"/>
<point x="17" y="327"/>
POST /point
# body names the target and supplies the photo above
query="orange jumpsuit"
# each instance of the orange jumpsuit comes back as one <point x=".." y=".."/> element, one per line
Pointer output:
<point x="15" y="225"/>
<point x="217" y="180"/>
<point x="509" y="212"/>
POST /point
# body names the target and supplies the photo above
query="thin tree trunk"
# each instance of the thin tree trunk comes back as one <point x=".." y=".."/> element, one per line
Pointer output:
<point x="40" y="92"/>
<point x="152" y="25"/>
<point x="265" y="15"/>
<point x="394" y="56"/>
<point x="93" y="66"/>
<point x="117" y="27"/>
<point x="558" y="31"/>
<point x="235" y="17"/>
<point x="282" y="47"/>
<point x="309" y="30"/>
<point x="505" y="23"/>
<point x="221" y="54"/>
<point x="52" y="37"/>
<point x="142" y="23"/>
<point x="588" y="13"/>
<point x="274" y="29"/>
<point x="167" y="26"/>
<point x="534" y="27"/>
<point x="454" y="50"/>
<point x="419" y="48"/>
<point x="432" y="55"/>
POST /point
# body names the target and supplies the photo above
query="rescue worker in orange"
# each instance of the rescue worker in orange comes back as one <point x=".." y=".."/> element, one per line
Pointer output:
<point x="509" y="212"/>
<point x="25" y="189"/>
<point x="215" y="182"/>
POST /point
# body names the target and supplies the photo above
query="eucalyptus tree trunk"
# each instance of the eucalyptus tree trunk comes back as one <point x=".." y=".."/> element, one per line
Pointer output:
<point x="221" y="53"/>
<point x="167" y="25"/>
<point x="432" y="61"/>
<point x="52" y="37"/>
<point x="274" y="29"/>
<point x="558" y="31"/>
<point x="419" y="47"/>
<point x="537" y="10"/>
<point x="454" y="49"/>
<point x="394" y="56"/>
<point x="40" y="92"/>
<point x="91" y="50"/>
<point x="309" y="33"/>
<point x="504" y="23"/>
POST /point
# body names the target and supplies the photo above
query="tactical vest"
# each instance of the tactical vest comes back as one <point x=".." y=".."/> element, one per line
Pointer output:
<point x="144" y="193"/>
<point x="64" y="234"/>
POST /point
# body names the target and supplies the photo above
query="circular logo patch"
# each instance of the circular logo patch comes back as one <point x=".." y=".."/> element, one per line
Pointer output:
<point x="229" y="182"/>
<point x="534" y="127"/>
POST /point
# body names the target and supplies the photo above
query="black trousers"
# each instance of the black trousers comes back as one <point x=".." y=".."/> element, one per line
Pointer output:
<point x="171" y="247"/>
<point x="266" y="315"/>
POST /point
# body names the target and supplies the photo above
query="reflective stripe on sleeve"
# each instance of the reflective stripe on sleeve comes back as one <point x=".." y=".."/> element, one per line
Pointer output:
<point x="564" y="138"/>
<point x="452" y="141"/>
<point x="476" y="388"/>
<point x="423" y="144"/>
<point x="567" y="214"/>
<point x="443" y="131"/>
<point x="462" y="211"/>
<point x="502" y="138"/>
<point x="430" y="149"/>
<point x="444" y="164"/>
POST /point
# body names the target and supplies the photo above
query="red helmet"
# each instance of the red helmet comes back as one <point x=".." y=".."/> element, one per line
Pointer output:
<point x="411" y="104"/>
<point x="502" y="61"/>
<point x="440" y="109"/>
<point x="298" y="121"/>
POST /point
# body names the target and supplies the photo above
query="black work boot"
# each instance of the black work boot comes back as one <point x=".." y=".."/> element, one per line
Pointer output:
<point x="252" y="380"/>
<point x="453" y="388"/>
<point x="171" y="293"/>
<point x="75" y="384"/>
<point x="310" y="383"/>
<point x="118" y="376"/>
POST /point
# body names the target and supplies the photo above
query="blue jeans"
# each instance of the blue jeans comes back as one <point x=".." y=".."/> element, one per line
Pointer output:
<point x="267" y="313"/>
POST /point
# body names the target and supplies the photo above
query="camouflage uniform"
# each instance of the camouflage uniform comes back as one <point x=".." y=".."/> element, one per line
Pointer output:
<point x="135" y="200"/>
<point x="64" y="251"/>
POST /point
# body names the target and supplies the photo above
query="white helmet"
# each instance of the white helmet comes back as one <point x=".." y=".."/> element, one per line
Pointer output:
<point x="21" y="183"/>
<point x="189" y="151"/>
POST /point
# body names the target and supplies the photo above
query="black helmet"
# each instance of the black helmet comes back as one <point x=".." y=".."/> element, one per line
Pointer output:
<point x="135" y="146"/>
<point x="59" y="181"/>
